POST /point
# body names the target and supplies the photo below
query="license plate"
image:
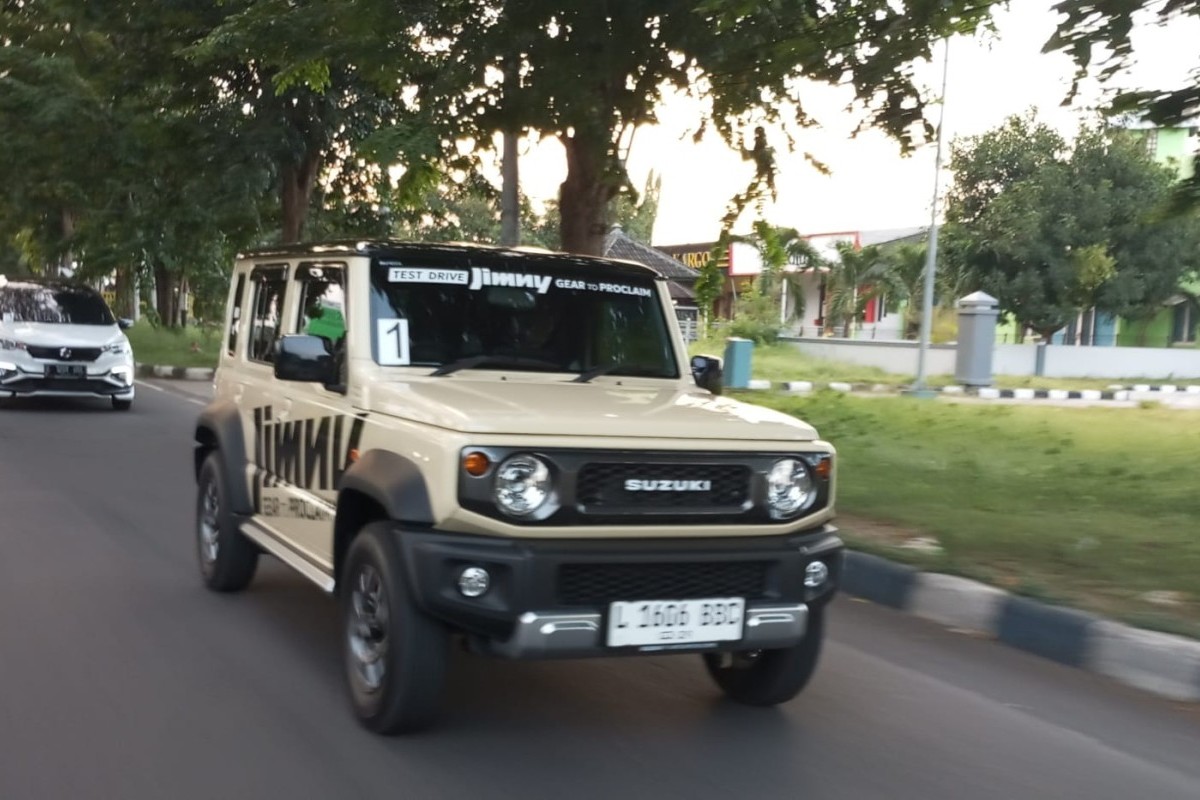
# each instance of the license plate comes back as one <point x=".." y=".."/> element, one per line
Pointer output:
<point x="666" y="622"/>
<point x="66" y="371"/>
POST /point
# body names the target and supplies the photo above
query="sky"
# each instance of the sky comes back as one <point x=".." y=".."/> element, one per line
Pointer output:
<point x="991" y="76"/>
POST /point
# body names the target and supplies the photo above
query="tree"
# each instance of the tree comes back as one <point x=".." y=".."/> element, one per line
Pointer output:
<point x="1089" y="27"/>
<point x="637" y="215"/>
<point x="778" y="248"/>
<point x="855" y="279"/>
<point x="1052" y="229"/>
<point x="590" y="73"/>
<point x="904" y="277"/>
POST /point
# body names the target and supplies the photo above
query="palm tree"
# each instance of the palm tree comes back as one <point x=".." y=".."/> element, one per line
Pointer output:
<point x="858" y="277"/>
<point x="779" y="247"/>
<point x="905" y="281"/>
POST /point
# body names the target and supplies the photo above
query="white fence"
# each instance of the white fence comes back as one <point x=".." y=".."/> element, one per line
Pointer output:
<point x="1059" y="361"/>
<point x="891" y="356"/>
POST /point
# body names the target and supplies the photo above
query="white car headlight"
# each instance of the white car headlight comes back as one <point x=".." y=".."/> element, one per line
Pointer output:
<point x="790" y="488"/>
<point x="116" y="348"/>
<point x="523" y="485"/>
<point x="12" y="344"/>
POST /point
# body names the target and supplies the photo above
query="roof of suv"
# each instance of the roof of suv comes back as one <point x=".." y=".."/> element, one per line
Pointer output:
<point x="445" y="254"/>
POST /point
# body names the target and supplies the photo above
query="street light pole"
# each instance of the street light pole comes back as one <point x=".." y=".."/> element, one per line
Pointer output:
<point x="919" y="389"/>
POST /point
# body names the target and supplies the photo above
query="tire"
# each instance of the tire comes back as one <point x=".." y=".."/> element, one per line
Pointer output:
<point x="227" y="558"/>
<point x="769" y="677"/>
<point x="394" y="654"/>
<point x="121" y="405"/>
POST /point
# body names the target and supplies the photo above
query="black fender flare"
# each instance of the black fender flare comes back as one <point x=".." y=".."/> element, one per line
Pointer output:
<point x="392" y="481"/>
<point x="220" y="428"/>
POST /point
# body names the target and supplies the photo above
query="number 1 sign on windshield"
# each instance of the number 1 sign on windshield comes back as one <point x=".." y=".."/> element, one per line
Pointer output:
<point x="392" y="336"/>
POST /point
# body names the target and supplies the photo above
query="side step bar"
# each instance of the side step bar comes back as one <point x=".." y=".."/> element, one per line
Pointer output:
<point x="270" y="541"/>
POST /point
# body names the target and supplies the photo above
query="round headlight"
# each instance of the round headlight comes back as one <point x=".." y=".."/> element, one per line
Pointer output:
<point x="522" y="485"/>
<point x="790" y="488"/>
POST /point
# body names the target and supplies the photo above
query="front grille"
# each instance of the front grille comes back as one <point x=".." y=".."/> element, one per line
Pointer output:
<point x="601" y="487"/>
<point x="599" y="584"/>
<point x="74" y="353"/>
<point x="82" y="386"/>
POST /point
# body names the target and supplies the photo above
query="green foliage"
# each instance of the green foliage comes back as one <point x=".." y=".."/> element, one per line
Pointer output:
<point x="857" y="277"/>
<point x="589" y="74"/>
<point x="1090" y="27"/>
<point x="1051" y="496"/>
<point x="636" y="214"/>
<point x="756" y="316"/>
<point x="904" y="279"/>
<point x="1050" y="229"/>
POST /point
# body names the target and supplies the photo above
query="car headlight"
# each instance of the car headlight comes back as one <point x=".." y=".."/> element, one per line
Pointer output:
<point x="790" y="488"/>
<point x="523" y="485"/>
<point x="116" y="348"/>
<point x="12" y="344"/>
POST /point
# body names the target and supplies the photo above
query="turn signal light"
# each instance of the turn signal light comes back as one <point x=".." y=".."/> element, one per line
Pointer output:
<point x="476" y="464"/>
<point x="824" y="468"/>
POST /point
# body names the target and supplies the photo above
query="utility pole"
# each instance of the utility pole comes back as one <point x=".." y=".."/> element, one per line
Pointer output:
<point x="919" y="388"/>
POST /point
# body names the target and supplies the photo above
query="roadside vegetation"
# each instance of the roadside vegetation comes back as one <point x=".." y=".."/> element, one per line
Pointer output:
<point x="1091" y="507"/>
<point x="175" y="347"/>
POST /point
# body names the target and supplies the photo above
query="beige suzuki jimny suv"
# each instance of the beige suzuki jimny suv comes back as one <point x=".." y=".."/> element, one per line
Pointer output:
<point x="510" y="449"/>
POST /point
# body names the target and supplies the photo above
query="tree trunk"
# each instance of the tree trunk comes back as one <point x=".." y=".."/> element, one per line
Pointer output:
<point x="583" y="197"/>
<point x="164" y="295"/>
<point x="125" y="294"/>
<point x="1048" y="333"/>
<point x="296" y="182"/>
<point x="67" y="223"/>
<point x="510" y="196"/>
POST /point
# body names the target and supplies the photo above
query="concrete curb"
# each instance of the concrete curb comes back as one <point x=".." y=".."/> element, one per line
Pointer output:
<point x="1163" y="393"/>
<point x="1159" y="663"/>
<point x="175" y="373"/>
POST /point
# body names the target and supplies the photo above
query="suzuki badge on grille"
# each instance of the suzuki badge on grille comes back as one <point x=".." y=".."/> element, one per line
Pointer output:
<point x="641" y="485"/>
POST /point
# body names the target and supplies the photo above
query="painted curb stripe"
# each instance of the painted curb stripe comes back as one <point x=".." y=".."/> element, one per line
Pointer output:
<point x="878" y="580"/>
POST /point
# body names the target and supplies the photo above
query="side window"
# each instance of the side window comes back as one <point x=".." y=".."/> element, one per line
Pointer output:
<point x="322" y="308"/>
<point x="269" y="284"/>
<point x="235" y="315"/>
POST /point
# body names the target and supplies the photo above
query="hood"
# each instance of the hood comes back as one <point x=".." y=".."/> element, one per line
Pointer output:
<point x="47" y="334"/>
<point x="551" y="408"/>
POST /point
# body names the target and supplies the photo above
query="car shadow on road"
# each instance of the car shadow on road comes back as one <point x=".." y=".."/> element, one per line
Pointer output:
<point x="496" y="710"/>
<point x="71" y="405"/>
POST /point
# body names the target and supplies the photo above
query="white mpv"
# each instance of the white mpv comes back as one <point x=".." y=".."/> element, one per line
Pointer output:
<point x="60" y="339"/>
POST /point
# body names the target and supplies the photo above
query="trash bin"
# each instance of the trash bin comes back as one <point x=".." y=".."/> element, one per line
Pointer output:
<point x="737" y="362"/>
<point x="977" y="313"/>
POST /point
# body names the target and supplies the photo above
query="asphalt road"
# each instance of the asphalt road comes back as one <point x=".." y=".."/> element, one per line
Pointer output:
<point x="120" y="677"/>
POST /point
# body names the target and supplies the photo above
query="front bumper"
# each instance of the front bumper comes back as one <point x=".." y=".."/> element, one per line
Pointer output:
<point x="22" y="382"/>
<point x="551" y="599"/>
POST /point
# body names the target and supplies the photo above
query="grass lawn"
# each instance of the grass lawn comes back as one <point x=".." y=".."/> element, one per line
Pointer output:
<point x="783" y="362"/>
<point x="190" y="347"/>
<point x="1091" y="507"/>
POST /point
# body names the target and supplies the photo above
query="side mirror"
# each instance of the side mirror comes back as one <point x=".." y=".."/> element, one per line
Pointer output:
<point x="306" y="358"/>
<point x="707" y="372"/>
<point x="124" y="323"/>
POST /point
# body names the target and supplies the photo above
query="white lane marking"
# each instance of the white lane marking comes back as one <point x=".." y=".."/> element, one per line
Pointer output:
<point x="180" y="395"/>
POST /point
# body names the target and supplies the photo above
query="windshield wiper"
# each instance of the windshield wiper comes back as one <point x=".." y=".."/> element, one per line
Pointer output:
<point x="494" y="361"/>
<point x="596" y="372"/>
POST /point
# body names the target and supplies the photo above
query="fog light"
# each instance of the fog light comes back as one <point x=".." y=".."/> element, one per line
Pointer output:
<point x="815" y="574"/>
<point x="473" y="581"/>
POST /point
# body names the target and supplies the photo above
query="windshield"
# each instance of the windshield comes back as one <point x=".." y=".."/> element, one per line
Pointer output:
<point x="53" y="304"/>
<point x="545" y="320"/>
